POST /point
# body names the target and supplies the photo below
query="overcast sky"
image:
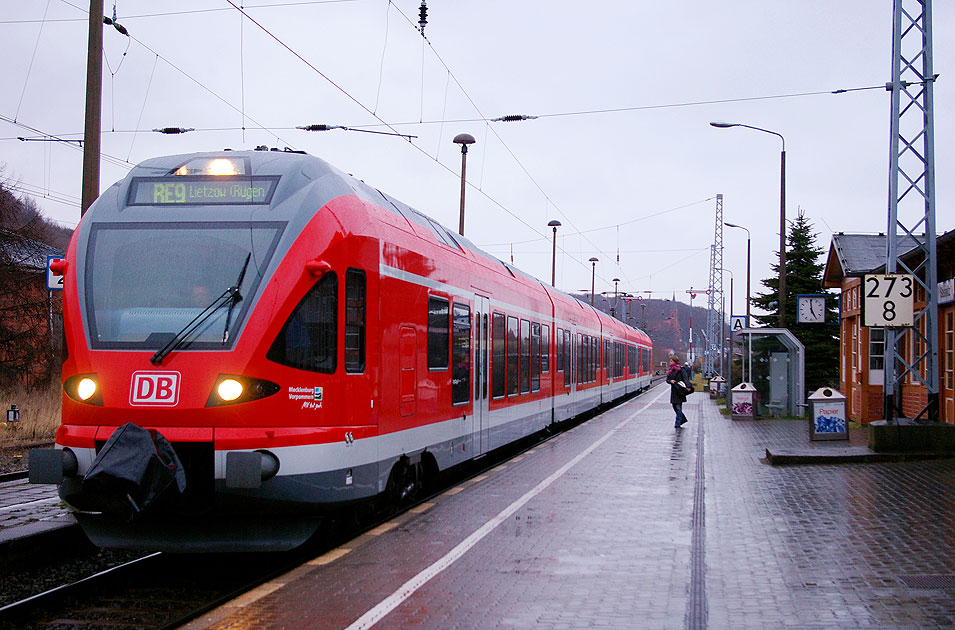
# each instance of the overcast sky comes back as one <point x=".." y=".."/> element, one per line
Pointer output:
<point x="639" y="182"/>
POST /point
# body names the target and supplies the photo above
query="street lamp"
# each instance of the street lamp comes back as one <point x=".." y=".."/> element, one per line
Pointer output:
<point x="733" y="225"/>
<point x="464" y="139"/>
<point x="782" y="215"/>
<point x="593" y="275"/>
<point x="553" y="257"/>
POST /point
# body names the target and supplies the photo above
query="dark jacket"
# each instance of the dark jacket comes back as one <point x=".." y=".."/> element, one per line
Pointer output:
<point x="674" y="377"/>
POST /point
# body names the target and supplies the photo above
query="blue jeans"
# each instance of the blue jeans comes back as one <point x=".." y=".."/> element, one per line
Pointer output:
<point x="680" y="416"/>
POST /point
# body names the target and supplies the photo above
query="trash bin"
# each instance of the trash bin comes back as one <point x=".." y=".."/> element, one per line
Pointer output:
<point x="827" y="415"/>
<point x="744" y="401"/>
<point x="716" y="385"/>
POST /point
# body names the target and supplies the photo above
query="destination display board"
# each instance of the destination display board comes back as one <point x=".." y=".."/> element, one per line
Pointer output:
<point x="202" y="190"/>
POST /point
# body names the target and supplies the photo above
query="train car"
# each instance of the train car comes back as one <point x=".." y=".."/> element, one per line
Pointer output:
<point x="254" y="338"/>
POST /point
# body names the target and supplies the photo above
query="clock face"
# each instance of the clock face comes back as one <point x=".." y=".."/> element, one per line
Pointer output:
<point x="812" y="310"/>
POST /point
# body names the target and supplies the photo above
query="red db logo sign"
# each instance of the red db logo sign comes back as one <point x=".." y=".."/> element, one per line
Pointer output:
<point x="154" y="388"/>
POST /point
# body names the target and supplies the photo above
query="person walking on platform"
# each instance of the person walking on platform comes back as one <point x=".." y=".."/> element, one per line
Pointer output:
<point x="678" y="390"/>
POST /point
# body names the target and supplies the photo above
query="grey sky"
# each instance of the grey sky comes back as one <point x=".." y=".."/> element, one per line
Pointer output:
<point x="670" y="67"/>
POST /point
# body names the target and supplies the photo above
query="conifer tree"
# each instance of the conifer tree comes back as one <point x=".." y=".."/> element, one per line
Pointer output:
<point x="804" y="267"/>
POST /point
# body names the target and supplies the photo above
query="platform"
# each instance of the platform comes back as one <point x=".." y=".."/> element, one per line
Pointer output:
<point x="626" y="522"/>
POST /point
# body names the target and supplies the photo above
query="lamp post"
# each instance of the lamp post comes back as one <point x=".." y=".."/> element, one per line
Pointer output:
<point x="464" y="139"/>
<point x="733" y="225"/>
<point x="593" y="275"/>
<point x="553" y="257"/>
<point x="723" y="371"/>
<point x="782" y="215"/>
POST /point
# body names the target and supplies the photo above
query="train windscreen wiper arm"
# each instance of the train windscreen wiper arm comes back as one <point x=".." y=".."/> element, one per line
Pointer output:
<point x="236" y="298"/>
<point x="230" y="296"/>
<point x="178" y="339"/>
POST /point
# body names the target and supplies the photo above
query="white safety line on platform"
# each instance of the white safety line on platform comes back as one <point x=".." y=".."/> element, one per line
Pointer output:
<point x="407" y="589"/>
<point x="23" y="505"/>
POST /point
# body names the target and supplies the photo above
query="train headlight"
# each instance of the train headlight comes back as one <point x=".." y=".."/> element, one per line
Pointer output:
<point x="230" y="390"/>
<point x="84" y="388"/>
<point x="221" y="166"/>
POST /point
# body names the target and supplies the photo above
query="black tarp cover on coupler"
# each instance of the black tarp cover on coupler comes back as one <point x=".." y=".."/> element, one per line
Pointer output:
<point x="133" y="469"/>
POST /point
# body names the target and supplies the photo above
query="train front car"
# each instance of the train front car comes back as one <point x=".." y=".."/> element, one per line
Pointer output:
<point x="207" y="404"/>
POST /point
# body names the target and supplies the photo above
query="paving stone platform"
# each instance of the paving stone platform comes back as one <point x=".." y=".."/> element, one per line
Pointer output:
<point x="625" y="522"/>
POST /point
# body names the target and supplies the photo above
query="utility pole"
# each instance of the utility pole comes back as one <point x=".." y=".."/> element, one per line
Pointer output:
<point x="714" y="319"/>
<point x="912" y="163"/>
<point x="94" y="106"/>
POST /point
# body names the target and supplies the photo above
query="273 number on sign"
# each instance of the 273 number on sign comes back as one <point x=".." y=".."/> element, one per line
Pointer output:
<point x="888" y="300"/>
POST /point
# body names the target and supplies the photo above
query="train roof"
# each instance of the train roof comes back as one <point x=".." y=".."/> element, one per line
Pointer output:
<point x="295" y="171"/>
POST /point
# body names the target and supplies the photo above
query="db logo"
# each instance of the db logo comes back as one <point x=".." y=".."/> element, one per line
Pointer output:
<point x="154" y="388"/>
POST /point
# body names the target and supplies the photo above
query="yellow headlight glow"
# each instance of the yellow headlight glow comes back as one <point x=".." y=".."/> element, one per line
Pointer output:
<point x="229" y="389"/>
<point x="86" y="388"/>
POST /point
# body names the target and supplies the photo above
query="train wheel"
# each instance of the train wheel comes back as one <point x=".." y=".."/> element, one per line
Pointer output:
<point x="403" y="482"/>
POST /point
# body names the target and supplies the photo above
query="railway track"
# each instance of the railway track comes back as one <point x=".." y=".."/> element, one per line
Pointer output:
<point x="163" y="591"/>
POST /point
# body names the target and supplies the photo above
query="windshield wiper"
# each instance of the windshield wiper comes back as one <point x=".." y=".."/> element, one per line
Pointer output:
<point x="236" y="298"/>
<point x="230" y="296"/>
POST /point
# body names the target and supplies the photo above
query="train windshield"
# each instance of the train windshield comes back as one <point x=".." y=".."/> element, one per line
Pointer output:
<point x="146" y="282"/>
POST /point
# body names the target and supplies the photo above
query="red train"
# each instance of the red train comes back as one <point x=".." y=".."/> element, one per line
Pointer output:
<point x="292" y="340"/>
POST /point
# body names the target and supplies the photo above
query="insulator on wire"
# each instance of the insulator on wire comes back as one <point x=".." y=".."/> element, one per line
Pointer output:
<point x="514" y="118"/>
<point x="173" y="130"/>
<point x="423" y="15"/>
<point x="320" y="127"/>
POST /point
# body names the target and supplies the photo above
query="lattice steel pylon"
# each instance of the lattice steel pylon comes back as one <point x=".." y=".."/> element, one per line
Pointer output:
<point x="912" y="164"/>
<point x="712" y="362"/>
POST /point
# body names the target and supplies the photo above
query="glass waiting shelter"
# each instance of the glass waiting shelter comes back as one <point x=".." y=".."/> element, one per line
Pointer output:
<point x="777" y="370"/>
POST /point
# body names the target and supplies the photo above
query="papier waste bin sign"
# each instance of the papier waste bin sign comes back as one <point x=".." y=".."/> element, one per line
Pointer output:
<point x="827" y="415"/>
<point x="716" y="384"/>
<point x="744" y="401"/>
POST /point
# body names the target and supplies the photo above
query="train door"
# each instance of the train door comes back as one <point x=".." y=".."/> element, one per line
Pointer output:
<point x="574" y="369"/>
<point x="480" y="436"/>
<point x="407" y="363"/>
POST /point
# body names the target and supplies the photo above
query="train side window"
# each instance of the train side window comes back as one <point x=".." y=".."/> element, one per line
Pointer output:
<point x="560" y="350"/>
<point x="461" y="353"/>
<point x="535" y="357"/>
<point x="606" y="358"/>
<point x="545" y="349"/>
<point x="307" y="341"/>
<point x="354" y="321"/>
<point x="497" y="355"/>
<point x="581" y="357"/>
<point x="437" y="333"/>
<point x="567" y="348"/>
<point x="513" y="355"/>
<point x="525" y="358"/>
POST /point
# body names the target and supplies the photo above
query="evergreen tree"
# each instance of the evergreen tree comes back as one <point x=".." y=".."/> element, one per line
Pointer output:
<point x="804" y="268"/>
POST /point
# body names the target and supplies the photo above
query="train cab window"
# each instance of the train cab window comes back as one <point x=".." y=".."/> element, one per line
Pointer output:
<point x="354" y="321"/>
<point x="438" y="341"/>
<point x="498" y="331"/>
<point x="545" y="349"/>
<point x="307" y="341"/>
<point x="525" y="358"/>
<point x="460" y="353"/>
<point x="535" y="357"/>
<point x="513" y="355"/>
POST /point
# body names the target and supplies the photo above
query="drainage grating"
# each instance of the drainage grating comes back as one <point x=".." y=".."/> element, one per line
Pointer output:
<point x="929" y="581"/>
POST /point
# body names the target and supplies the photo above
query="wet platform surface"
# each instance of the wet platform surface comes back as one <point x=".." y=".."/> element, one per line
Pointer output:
<point x="625" y="522"/>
